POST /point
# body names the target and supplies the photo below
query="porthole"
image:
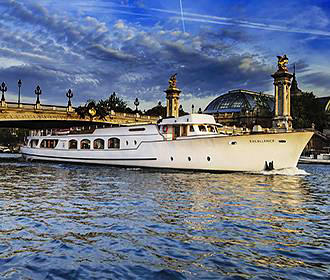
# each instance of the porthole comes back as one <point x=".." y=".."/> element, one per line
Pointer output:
<point x="135" y="142"/>
<point x="171" y="158"/>
<point x="208" y="158"/>
<point x="126" y="143"/>
<point x="189" y="158"/>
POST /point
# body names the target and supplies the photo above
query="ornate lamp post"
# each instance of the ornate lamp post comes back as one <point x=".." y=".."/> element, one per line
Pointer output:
<point x="136" y="103"/>
<point x="38" y="92"/>
<point x="69" y="95"/>
<point x="19" y="83"/>
<point x="3" y="89"/>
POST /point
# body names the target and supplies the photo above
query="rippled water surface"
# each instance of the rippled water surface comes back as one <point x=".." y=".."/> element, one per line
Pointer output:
<point x="62" y="221"/>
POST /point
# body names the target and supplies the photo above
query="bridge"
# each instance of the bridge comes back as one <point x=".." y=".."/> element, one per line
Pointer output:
<point x="38" y="116"/>
<point x="26" y="115"/>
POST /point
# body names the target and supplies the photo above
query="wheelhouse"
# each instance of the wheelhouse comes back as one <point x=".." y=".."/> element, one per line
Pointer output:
<point x="187" y="126"/>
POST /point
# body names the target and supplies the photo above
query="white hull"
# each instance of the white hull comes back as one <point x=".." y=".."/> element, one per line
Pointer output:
<point x="213" y="152"/>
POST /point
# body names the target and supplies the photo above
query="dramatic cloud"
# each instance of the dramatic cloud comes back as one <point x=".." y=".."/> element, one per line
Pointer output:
<point x="132" y="48"/>
<point x="320" y="78"/>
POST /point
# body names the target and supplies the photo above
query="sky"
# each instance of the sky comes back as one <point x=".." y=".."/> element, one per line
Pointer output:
<point x="131" y="47"/>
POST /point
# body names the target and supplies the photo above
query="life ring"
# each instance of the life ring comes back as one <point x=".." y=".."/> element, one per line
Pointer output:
<point x="165" y="128"/>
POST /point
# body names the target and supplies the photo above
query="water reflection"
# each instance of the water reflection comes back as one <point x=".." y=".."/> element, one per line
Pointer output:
<point x="133" y="222"/>
<point x="233" y="211"/>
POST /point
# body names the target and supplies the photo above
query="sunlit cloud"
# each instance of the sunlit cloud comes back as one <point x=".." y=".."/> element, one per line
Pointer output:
<point x="99" y="47"/>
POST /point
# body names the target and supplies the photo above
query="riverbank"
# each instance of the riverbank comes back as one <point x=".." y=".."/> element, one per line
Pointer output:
<point x="309" y="160"/>
<point x="10" y="156"/>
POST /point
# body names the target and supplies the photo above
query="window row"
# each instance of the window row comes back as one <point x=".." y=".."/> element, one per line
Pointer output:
<point x="204" y="128"/>
<point x="46" y="143"/>
<point x="98" y="144"/>
<point x="85" y="144"/>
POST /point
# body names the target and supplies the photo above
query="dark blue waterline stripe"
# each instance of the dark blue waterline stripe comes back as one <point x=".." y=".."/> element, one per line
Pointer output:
<point x="91" y="159"/>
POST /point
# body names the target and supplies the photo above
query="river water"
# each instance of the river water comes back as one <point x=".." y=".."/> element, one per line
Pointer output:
<point x="63" y="221"/>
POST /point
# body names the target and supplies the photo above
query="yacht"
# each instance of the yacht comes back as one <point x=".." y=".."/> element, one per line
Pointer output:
<point x="184" y="142"/>
<point x="188" y="142"/>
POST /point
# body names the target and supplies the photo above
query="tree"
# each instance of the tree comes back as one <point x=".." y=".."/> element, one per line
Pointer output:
<point x="12" y="136"/>
<point x="102" y="108"/>
<point x="158" y="110"/>
<point x="306" y="111"/>
<point x="113" y="102"/>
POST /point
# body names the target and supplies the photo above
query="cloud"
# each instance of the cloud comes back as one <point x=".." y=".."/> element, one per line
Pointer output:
<point x="107" y="54"/>
<point x="95" y="56"/>
<point x="318" y="80"/>
<point x="310" y="16"/>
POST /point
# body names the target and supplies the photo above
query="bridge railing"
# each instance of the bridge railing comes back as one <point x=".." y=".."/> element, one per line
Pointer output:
<point x="129" y="115"/>
<point x="28" y="106"/>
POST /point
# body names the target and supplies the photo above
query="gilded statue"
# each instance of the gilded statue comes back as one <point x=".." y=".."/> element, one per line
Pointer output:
<point x="172" y="81"/>
<point x="282" y="61"/>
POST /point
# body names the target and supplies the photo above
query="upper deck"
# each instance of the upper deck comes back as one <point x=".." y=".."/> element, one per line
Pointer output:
<point x="190" y="119"/>
<point x="188" y="126"/>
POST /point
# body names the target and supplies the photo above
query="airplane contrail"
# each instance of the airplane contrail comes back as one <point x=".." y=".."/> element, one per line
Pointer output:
<point x="202" y="18"/>
<point x="182" y="19"/>
<point x="243" y="23"/>
<point x="261" y="26"/>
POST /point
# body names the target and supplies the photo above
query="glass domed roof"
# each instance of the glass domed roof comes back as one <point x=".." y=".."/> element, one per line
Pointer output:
<point x="238" y="100"/>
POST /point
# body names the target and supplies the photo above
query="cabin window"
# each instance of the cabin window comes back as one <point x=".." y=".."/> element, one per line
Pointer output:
<point x="210" y="128"/>
<point x="34" y="143"/>
<point x="85" y="144"/>
<point x="98" y="144"/>
<point x="48" y="143"/>
<point x="191" y="128"/>
<point x="114" y="143"/>
<point x="184" y="130"/>
<point x="176" y="131"/>
<point x="43" y="144"/>
<point x="73" y="144"/>
<point x="202" y="128"/>
<point x="137" y="129"/>
<point x="52" y="144"/>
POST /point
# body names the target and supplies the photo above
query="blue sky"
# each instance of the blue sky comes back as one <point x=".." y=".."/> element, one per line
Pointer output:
<point x="133" y="46"/>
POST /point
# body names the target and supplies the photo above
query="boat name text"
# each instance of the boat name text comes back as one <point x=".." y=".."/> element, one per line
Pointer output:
<point x="255" y="141"/>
